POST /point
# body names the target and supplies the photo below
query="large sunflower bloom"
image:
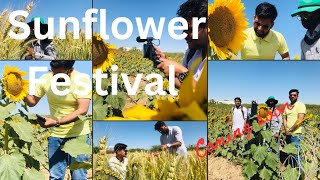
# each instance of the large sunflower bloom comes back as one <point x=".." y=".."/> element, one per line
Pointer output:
<point x="13" y="85"/>
<point x="226" y="25"/>
<point x="103" y="54"/>
<point x="264" y="113"/>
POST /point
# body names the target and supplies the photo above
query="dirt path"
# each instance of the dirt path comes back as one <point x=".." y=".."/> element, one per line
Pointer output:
<point x="221" y="169"/>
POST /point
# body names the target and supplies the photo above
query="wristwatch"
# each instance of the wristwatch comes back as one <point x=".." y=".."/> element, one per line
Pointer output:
<point x="182" y="76"/>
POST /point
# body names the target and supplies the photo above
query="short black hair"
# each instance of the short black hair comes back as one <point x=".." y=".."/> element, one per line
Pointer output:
<point x="294" y="90"/>
<point x="266" y="11"/>
<point x="119" y="146"/>
<point x="237" y="98"/>
<point x="66" y="64"/>
<point x="193" y="8"/>
<point x="158" y="125"/>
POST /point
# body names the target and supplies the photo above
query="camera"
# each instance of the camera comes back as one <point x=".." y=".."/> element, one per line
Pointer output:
<point x="149" y="51"/>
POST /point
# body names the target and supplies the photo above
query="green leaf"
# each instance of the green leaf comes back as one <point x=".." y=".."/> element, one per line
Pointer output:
<point x="229" y="155"/>
<point x="77" y="146"/>
<point x="250" y="169"/>
<point x="265" y="173"/>
<point x="22" y="128"/>
<point x="99" y="109"/>
<point x="256" y="126"/>
<point x="267" y="135"/>
<point x="272" y="161"/>
<point x="78" y="165"/>
<point x="37" y="153"/>
<point x="5" y="111"/>
<point x="290" y="149"/>
<point x="290" y="173"/>
<point x="260" y="154"/>
<point x="11" y="166"/>
<point x="32" y="174"/>
<point x="224" y="153"/>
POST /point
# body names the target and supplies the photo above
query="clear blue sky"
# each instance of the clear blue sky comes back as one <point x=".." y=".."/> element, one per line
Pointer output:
<point x="43" y="106"/>
<point x="260" y="79"/>
<point x="142" y="134"/>
<point x="143" y="9"/>
<point x="290" y="27"/>
<point x="49" y="8"/>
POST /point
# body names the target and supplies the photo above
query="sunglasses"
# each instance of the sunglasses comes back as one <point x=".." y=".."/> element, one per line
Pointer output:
<point x="264" y="26"/>
<point x="304" y="16"/>
<point x="294" y="95"/>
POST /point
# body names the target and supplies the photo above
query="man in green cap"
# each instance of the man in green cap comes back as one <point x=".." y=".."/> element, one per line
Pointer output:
<point x="308" y="13"/>
<point x="39" y="49"/>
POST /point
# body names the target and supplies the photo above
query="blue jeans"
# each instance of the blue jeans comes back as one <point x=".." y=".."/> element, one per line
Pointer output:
<point x="59" y="160"/>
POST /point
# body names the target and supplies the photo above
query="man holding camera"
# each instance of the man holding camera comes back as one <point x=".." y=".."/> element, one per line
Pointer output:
<point x="197" y="48"/>
<point x="63" y="122"/>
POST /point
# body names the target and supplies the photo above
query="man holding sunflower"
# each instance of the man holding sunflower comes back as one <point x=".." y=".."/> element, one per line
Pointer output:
<point x="63" y="122"/>
<point x="262" y="42"/>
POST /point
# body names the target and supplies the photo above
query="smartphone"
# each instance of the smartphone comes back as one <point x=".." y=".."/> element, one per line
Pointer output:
<point x="40" y="118"/>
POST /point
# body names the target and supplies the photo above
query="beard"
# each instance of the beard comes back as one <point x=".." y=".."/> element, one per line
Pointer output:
<point x="259" y="34"/>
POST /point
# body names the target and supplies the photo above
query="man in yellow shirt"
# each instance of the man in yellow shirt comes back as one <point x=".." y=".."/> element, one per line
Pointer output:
<point x="262" y="42"/>
<point x="63" y="121"/>
<point x="293" y="113"/>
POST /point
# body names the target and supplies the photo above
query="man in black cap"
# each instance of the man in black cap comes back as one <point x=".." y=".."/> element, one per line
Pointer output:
<point x="40" y="49"/>
<point x="119" y="162"/>
<point x="276" y="120"/>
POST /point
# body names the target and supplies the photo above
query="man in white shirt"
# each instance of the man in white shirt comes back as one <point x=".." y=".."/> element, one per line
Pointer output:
<point x="171" y="139"/>
<point x="239" y="115"/>
<point x="119" y="162"/>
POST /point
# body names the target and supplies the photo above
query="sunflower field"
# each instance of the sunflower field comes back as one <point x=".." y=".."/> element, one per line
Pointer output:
<point x="142" y="106"/>
<point x="150" y="166"/>
<point x="66" y="49"/>
<point x="256" y="152"/>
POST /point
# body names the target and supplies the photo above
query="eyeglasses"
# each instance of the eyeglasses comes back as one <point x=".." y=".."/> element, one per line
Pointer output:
<point x="264" y="26"/>
<point x="294" y="95"/>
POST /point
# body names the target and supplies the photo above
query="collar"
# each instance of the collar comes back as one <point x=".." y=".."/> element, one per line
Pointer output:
<point x="255" y="37"/>
<point x="315" y="31"/>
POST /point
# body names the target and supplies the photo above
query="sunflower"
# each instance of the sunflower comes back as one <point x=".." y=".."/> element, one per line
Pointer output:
<point x="226" y="25"/>
<point x="103" y="53"/>
<point x="13" y="85"/>
<point x="264" y="113"/>
<point x="190" y="105"/>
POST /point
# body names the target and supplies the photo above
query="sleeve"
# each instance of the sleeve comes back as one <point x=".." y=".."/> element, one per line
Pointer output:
<point x="40" y="88"/>
<point x="178" y="134"/>
<point x="301" y="109"/>
<point x="161" y="140"/>
<point x="50" y="54"/>
<point x="283" y="48"/>
<point x="245" y="112"/>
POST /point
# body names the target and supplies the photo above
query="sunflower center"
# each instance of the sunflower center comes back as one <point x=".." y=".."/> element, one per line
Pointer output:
<point x="262" y="112"/>
<point x="223" y="25"/>
<point x="99" y="51"/>
<point x="14" y="83"/>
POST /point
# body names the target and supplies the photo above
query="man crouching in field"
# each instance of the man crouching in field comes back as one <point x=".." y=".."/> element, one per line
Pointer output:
<point x="171" y="139"/>
<point x="63" y="121"/>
